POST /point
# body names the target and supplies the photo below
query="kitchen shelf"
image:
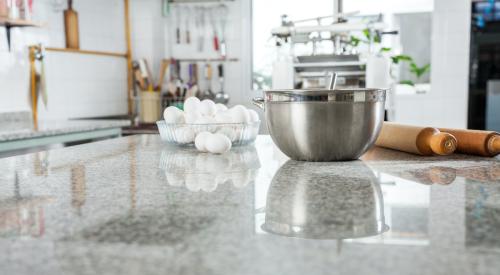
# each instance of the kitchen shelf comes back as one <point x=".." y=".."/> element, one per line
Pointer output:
<point x="78" y="51"/>
<point x="16" y="23"/>
<point x="207" y="59"/>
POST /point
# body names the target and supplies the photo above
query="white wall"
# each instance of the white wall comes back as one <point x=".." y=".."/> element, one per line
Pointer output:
<point x="87" y="85"/>
<point x="78" y="85"/>
<point x="446" y="104"/>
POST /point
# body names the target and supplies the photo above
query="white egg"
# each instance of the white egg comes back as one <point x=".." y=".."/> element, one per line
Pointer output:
<point x="220" y="107"/>
<point x="191" y="118"/>
<point x="205" y="124"/>
<point x="193" y="183"/>
<point x="224" y="117"/>
<point x="209" y="184"/>
<point x="184" y="135"/>
<point x="175" y="179"/>
<point x="173" y="114"/>
<point x="241" y="179"/>
<point x="218" y="144"/>
<point x="240" y="114"/>
<point x="205" y="120"/>
<point x="254" y="116"/>
<point x="214" y="163"/>
<point x="222" y="178"/>
<point x="228" y="132"/>
<point x="192" y="105"/>
<point x="200" y="140"/>
<point x="207" y="107"/>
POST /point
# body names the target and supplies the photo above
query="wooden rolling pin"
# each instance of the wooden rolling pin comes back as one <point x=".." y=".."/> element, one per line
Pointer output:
<point x="475" y="142"/>
<point x="424" y="141"/>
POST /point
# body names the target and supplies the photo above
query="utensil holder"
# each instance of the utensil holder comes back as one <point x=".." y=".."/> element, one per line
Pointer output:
<point x="149" y="106"/>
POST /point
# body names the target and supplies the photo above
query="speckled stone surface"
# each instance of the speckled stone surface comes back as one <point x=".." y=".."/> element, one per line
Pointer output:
<point x="135" y="206"/>
<point x="13" y="129"/>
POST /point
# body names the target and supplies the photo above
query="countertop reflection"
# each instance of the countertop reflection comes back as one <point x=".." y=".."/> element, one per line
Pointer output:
<point x="135" y="206"/>
<point x="324" y="201"/>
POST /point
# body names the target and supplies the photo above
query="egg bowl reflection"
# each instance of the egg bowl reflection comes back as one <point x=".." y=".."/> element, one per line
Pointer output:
<point x="324" y="201"/>
<point x="198" y="171"/>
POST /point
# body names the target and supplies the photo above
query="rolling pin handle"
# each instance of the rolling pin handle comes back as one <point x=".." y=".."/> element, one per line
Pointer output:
<point x="443" y="144"/>
<point x="494" y="145"/>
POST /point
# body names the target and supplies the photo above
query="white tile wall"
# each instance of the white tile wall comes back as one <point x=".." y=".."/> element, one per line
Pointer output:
<point x="446" y="104"/>
<point x="86" y="85"/>
<point x="78" y="85"/>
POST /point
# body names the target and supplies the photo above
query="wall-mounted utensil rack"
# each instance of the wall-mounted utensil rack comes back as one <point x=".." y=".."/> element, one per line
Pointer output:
<point x="207" y="59"/>
<point x="16" y="23"/>
<point x="197" y="1"/>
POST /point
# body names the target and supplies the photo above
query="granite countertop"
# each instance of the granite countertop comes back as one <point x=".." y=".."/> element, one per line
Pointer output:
<point x="132" y="205"/>
<point x="24" y="129"/>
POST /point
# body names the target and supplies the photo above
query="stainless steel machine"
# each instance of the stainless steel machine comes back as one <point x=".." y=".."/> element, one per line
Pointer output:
<point x="340" y="32"/>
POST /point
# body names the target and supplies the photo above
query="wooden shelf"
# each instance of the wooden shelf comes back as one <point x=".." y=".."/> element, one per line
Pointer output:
<point x="78" y="51"/>
<point x="17" y="23"/>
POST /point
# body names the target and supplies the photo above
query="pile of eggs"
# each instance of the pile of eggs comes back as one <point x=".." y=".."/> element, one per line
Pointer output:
<point x="205" y="172"/>
<point x="202" y="120"/>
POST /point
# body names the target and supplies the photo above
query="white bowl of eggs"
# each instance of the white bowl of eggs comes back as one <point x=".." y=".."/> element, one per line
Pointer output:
<point x="209" y="126"/>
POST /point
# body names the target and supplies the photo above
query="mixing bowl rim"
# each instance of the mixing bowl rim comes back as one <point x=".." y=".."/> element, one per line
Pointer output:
<point x="326" y="91"/>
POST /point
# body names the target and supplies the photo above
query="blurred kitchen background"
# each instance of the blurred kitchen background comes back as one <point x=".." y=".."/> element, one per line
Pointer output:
<point x="129" y="59"/>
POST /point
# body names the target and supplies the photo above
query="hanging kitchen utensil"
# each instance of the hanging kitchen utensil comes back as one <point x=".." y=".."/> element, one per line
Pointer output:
<point x="163" y="70"/>
<point x="200" y="27"/>
<point x="222" y="16"/>
<point x="213" y="15"/>
<point x="178" y="82"/>
<point x="187" y="18"/>
<point x="193" y="80"/>
<point x="71" y="27"/>
<point x="37" y="81"/>
<point x="208" y="94"/>
<point x="177" y="13"/>
<point x="221" y="96"/>
<point x="43" y="83"/>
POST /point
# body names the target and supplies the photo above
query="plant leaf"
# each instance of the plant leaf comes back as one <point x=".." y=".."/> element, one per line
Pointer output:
<point x="397" y="58"/>
<point x="407" y="82"/>
<point x="354" y="41"/>
<point x="385" y="49"/>
<point x="376" y="38"/>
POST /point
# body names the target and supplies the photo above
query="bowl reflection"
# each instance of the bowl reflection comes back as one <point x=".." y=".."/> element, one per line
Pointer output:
<point x="324" y="201"/>
<point x="204" y="172"/>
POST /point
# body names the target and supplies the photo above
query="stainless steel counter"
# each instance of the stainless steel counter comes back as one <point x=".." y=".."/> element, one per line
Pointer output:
<point x="134" y="206"/>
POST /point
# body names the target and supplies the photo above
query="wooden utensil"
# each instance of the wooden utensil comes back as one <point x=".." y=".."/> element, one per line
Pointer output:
<point x="424" y="141"/>
<point x="163" y="70"/>
<point x="476" y="142"/>
<point x="71" y="27"/>
<point x="138" y="75"/>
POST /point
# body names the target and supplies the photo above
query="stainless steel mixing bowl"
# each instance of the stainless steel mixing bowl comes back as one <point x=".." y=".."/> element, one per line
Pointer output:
<point x="323" y="125"/>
